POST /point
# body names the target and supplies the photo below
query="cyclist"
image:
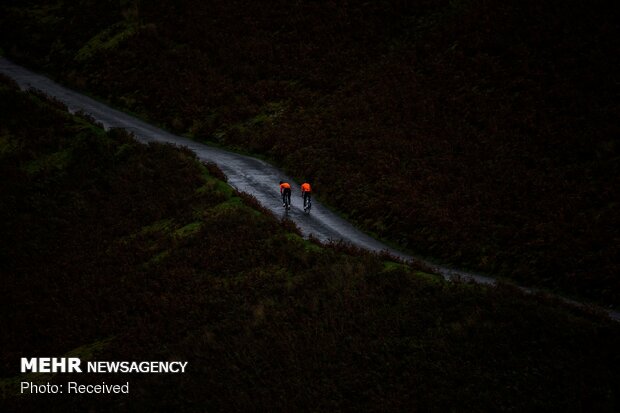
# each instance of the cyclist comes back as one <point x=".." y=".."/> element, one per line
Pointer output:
<point x="306" y="191"/>
<point x="285" y="191"/>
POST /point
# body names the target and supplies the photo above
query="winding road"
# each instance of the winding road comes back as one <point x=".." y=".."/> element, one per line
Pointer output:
<point x="244" y="173"/>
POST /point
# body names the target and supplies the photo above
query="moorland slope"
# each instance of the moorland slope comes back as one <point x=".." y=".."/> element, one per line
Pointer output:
<point x="483" y="133"/>
<point x="114" y="250"/>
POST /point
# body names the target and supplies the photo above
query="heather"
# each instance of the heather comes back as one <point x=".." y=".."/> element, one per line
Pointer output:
<point x="114" y="250"/>
<point x="480" y="133"/>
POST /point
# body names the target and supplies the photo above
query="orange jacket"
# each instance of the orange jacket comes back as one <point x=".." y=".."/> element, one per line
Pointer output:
<point x="284" y="186"/>
<point x="305" y="187"/>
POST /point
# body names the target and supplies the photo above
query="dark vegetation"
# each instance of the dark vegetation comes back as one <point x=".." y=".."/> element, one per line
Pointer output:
<point x="113" y="250"/>
<point x="480" y="132"/>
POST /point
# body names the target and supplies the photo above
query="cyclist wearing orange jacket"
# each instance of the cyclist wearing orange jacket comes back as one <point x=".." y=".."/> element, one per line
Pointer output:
<point x="306" y="191"/>
<point x="285" y="191"/>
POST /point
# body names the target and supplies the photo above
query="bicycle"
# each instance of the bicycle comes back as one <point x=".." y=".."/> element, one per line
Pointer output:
<point x="287" y="202"/>
<point x="307" y="204"/>
<point x="285" y="192"/>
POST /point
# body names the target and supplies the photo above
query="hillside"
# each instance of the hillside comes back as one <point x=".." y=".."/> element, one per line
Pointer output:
<point x="113" y="250"/>
<point x="481" y="133"/>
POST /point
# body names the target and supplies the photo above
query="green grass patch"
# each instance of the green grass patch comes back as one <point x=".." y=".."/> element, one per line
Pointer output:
<point x="106" y="40"/>
<point x="57" y="160"/>
<point x="163" y="226"/>
<point x="188" y="230"/>
<point x="232" y="204"/>
<point x="157" y="259"/>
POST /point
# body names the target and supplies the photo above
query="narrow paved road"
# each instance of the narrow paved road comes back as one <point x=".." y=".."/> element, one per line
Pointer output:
<point x="244" y="173"/>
